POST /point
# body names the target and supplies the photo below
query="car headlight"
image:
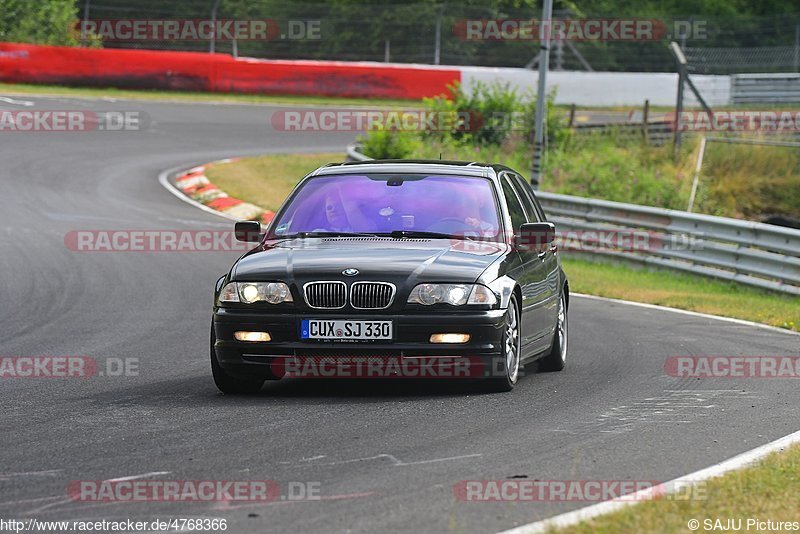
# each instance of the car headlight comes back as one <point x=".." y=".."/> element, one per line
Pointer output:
<point x="250" y="292"/>
<point x="453" y="294"/>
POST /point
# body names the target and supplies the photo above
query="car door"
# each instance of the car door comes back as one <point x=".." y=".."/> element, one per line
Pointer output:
<point x="532" y="276"/>
<point x="548" y="260"/>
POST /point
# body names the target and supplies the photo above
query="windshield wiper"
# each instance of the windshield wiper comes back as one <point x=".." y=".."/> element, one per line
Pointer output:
<point x="303" y="235"/>
<point x="399" y="234"/>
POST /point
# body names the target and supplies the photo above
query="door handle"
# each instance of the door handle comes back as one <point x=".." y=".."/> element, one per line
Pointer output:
<point x="552" y="248"/>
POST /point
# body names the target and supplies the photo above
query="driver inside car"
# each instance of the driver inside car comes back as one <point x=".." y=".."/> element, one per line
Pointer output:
<point x="342" y="214"/>
<point x="468" y="211"/>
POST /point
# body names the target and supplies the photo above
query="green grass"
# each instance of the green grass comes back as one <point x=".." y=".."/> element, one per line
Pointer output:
<point x="192" y="96"/>
<point x="740" y="181"/>
<point x="266" y="180"/>
<point x="597" y="166"/>
<point x="767" y="490"/>
<point x="684" y="291"/>
<point x="749" y="181"/>
<point x="770" y="490"/>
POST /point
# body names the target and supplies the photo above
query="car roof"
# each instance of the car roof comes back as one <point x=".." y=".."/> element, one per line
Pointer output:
<point x="401" y="166"/>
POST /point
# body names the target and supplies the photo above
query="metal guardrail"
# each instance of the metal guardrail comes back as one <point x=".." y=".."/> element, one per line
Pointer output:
<point x="765" y="88"/>
<point x="752" y="253"/>
<point x="658" y="132"/>
<point x="354" y="155"/>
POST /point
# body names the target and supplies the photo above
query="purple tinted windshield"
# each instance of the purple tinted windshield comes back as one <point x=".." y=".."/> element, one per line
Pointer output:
<point x="384" y="203"/>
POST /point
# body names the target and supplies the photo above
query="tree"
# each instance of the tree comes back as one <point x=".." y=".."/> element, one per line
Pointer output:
<point x="49" y="22"/>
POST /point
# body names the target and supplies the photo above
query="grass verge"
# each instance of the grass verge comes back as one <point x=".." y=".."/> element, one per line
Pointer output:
<point x="769" y="490"/>
<point x="683" y="291"/>
<point x="16" y="89"/>
<point x="267" y="180"/>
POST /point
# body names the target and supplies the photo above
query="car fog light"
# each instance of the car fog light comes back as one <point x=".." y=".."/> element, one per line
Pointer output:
<point x="253" y="337"/>
<point x="449" y="338"/>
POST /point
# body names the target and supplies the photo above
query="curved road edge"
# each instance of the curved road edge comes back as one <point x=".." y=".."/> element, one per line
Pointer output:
<point x="741" y="461"/>
<point x="583" y="514"/>
<point x="218" y="202"/>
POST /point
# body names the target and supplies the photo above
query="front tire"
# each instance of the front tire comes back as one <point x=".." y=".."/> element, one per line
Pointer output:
<point x="227" y="383"/>
<point x="510" y="351"/>
<point x="556" y="359"/>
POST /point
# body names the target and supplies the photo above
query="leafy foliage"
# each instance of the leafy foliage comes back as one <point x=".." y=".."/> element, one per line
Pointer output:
<point x="49" y="22"/>
<point x="388" y="144"/>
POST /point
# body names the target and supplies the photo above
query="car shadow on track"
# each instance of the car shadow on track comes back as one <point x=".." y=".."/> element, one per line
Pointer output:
<point x="370" y="388"/>
<point x="199" y="391"/>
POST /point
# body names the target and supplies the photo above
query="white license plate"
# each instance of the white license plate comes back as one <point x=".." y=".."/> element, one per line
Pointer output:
<point x="344" y="329"/>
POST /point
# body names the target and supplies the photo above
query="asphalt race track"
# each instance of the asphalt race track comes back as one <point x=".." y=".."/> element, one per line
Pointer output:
<point x="385" y="455"/>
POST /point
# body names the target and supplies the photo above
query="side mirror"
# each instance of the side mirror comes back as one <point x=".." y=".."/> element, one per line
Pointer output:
<point x="538" y="237"/>
<point x="248" y="231"/>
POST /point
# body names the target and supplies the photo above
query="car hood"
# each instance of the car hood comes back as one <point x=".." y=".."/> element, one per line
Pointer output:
<point x="400" y="261"/>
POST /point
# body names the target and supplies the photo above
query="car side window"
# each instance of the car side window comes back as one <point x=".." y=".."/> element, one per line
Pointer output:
<point x="528" y="199"/>
<point x="515" y="208"/>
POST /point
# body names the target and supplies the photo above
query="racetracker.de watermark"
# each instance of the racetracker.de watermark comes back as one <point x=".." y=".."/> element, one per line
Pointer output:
<point x="508" y="29"/>
<point x="611" y="241"/>
<point x="530" y="490"/>
<point x="766" y="121"/>
<point x="401" y="120"/>
<point x="72" y="121"/>
<point x="126" y="30"/>
<point x="437" y="367"/>
<point x="733" y="366"/>
<point x="192" y="491"/>
<point x="67" y="366"/>
<point x="154" y="241"/>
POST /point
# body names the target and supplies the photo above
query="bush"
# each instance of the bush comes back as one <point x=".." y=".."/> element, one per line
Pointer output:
<point x="388" y="144"/>
<point x="624" y="170"/>
<point x="492" y="115"/>
<point x="485" y="117"/>
<point x="46" y="22"/>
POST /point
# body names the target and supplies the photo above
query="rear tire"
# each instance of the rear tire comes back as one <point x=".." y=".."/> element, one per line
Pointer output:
<point x="556" y="359"/>
<point x="227" y="383"/>
<point x="511" y="352"/>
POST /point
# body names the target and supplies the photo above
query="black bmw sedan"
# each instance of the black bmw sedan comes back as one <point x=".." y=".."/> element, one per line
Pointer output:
<point x="395" y="268"/>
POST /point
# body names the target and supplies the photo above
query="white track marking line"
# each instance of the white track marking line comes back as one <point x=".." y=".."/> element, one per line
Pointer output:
<point x="590" y="512"/>
<point x="163" y="179"/>
<point x="6" y="476"/>
<point x="737" y="462"/>
<point x="686" y="312"/>
<point x="26" y="103"/>
<point x="225" y="506"/>
<point x="136" y="477"/>
<point x="120" y="479"/>
<point x="396" y="462"/>
<point x="40" y="499"/>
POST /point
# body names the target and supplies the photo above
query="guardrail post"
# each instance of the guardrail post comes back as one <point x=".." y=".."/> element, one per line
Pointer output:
<point x="213" y="44"/>
<point x="541" y="94"/>
<point x="681" y="60"/>
<point x="437" y="53"/>
<point x="85" y="21"/>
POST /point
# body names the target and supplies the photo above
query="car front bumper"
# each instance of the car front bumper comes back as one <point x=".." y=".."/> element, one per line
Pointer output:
<point x="410" y="344"/>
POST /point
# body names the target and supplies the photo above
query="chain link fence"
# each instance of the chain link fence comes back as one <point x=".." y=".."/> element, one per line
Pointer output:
<point x="440" y="34"/>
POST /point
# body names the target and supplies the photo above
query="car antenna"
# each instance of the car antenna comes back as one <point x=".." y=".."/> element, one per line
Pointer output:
<point x="440" y="156"/>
